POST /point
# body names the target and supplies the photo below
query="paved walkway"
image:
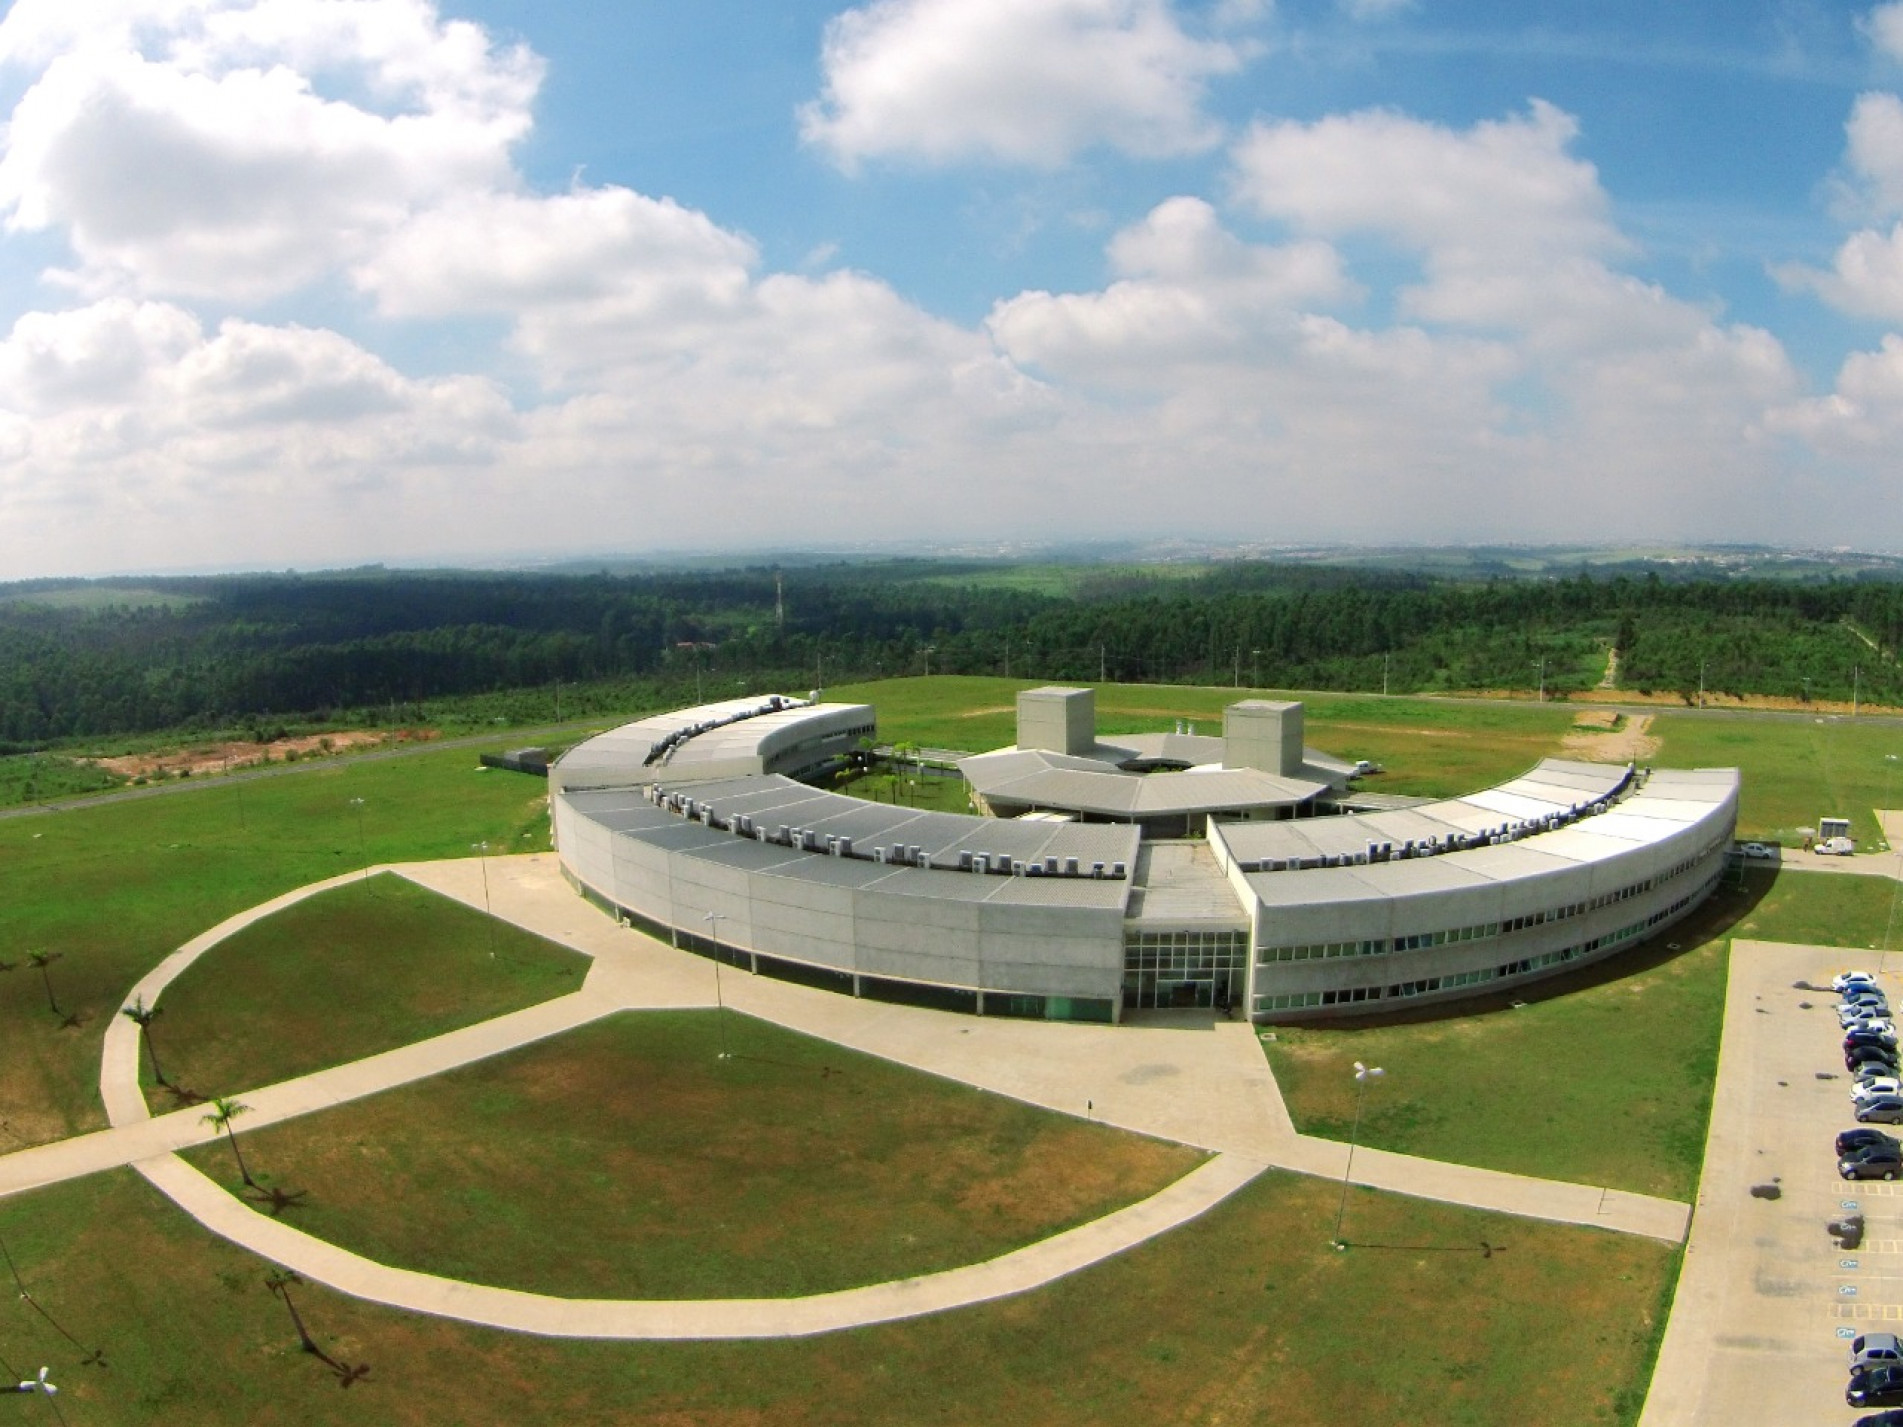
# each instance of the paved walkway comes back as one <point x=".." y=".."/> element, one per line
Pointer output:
<point x="1207" y="1086"/>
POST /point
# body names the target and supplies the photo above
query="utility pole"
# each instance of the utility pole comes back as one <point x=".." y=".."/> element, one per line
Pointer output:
<point x="1701" y="683"/>
<point x="779" y="601"/>
<point x="1102" y="665"/>
<point x="1856" y="677"/>
<point x="1542" y="681"/>
<point x="1384" y="676"/>
<point x="1235" y="679"/>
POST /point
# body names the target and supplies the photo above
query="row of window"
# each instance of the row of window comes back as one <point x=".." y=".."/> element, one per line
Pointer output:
<point x="1417" y="941"/>
<point x="1350" y="995"/>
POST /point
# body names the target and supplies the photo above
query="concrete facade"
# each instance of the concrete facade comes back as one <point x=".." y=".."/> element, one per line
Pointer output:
<point x="1257" y="733"/>
<point x="1057" y="720"/>
<point x="1304" y="918"/>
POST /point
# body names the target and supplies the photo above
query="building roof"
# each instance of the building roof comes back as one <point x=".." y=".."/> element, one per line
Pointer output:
<point x="709" y="740"/>
<point x="1546" y="820"/>
<point x="771" y="800"/>
<point x="1098" y="783"/>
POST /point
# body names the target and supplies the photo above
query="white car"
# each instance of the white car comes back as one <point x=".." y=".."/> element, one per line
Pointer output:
<point x="1756" y="849"/>
<point x="1847" y="980"/>
<point x="1875" y="1088"/>
<point x="1881" y="1024"/>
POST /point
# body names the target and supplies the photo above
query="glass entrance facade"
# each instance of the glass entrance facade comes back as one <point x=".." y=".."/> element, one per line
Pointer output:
<point x="1164" y="969"/>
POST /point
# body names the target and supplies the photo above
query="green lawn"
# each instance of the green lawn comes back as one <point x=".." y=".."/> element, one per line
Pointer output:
<point x="625" y="1159"/>
<point x="1245" y="1315"/>
<point x="360" y="969"/>
<point x="1602" y="1078"/>
<point x="1796" y="770"/>
<point x="113" y="888"/>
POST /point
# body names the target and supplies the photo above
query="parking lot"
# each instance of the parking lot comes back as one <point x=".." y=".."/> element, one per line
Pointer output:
<point x="1767" y="1302"/>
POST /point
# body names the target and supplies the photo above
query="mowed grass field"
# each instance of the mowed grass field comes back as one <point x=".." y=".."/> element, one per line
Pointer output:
<point x="1795" y="770"/>
<point x="1243" y="1316"/>
<point x="625" y="1159"/>
<point x="112" y="889"/>
<point x="1604" y="1078"/>
<point x="363" y="968"/>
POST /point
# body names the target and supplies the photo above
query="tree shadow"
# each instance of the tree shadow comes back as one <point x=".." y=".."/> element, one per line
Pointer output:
<point x="277" y="1199"/>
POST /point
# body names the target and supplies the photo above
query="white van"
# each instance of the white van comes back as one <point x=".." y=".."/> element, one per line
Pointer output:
<point x="1836" y="847"/>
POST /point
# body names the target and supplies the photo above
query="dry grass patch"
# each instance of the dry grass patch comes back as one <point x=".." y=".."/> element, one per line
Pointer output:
<point x="360" y="969"/>
<point x="625" y="1159"/>
<point x="1242" y="1316"/>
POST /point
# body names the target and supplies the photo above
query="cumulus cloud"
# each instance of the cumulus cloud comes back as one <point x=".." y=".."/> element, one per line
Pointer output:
<point x="184" y="149"/>
<point x="1019" y="81"/>
<point x="1866" y="276"/>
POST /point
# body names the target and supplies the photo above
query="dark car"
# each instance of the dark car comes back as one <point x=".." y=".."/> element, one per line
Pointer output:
<point x="1870" y="1055"/>
<point x="1892" y="1418"/>
<point x="1877" y="1387"/>
<point x="1868" y="1037"/>
<point x="1885" y="1111"/>
<point x="1851" y="1141"/>
<point x="1875" y="1162"/>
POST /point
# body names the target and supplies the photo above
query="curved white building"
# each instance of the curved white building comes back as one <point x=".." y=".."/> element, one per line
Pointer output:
<point x="695" y="827"/>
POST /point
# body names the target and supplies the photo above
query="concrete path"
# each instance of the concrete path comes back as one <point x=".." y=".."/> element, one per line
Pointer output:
<point x="1203" y="1084"/>
<point x="1019" y="1272"/>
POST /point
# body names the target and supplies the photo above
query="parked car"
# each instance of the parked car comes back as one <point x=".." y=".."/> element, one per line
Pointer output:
<point x="1756" y="849"/>
<point x="1869" y="1349"/>
<point x="1879" y="1025"/>
<point x="1863" y="1037"/>
<point x="1864" y="1013"/>
<point x="1871" y="1055"/>
<point x="1864" y="1074"/>
<point x="1887" y="1110"/>
<point x="1880" y="1386"/>
<point x="1875" y="1087"/>
<point x="1892" y="1418"/>
<point x="1844" y="980"/>
<point x="1877" y="1162"/>
<point x="1849" y="1141"/>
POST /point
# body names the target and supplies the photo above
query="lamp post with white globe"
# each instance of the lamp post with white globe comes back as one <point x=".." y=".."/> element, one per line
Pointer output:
<point x="1363" y="1075"/>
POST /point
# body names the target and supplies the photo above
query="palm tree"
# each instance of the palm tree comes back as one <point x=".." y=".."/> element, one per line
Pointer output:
<point x="44" y="959"/>
<point x="144" y="1015"/>
<point x="224" y="1110"/>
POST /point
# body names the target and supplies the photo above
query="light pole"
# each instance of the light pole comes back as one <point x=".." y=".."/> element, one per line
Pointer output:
<point x="714" y="919"/>
<point x="481" y="850"/>
<point x="1363" y="1074"/>
<point x="1896" y="890"/>
<point x="1255" y="668"/>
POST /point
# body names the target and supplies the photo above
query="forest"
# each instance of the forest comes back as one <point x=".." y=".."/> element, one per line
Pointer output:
<point x="88" y="659"/>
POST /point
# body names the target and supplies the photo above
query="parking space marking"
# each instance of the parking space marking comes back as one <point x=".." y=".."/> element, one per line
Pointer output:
<point x="1883" y="1312"/>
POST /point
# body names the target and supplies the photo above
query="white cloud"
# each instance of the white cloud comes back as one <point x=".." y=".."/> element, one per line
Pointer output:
<point x="1866" y="276"/>
<point x="1504" y="190"/>
<point x="1884" y="26"/>
<point x="207" y="164"/>
<point x="1021" y="81"/>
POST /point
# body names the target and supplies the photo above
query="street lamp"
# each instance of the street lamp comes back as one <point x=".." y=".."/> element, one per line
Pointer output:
<point x="1363" y="1074"/>
<point x="714" y="920"/>
<point x="481" y="849"/>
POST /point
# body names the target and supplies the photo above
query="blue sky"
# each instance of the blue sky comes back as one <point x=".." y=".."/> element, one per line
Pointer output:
<point x="300" y="282"/>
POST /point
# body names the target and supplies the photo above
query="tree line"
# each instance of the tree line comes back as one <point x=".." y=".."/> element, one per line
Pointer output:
<point x="153" y="655"/>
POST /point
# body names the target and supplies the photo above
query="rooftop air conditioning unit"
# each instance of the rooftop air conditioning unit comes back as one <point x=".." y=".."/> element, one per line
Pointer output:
<point x="1118" y="869"/>
<point x="1034" y="869"/>
<point x="1096" y="869"/>
<point x="878" y="855"/>
<point x="1070" y="867"/>
<point x="1017" y="868"/>
<point x="1050" y="866"/>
